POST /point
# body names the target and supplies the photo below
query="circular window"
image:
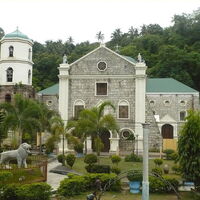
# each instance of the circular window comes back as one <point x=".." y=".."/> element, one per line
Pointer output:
<point x="49" y="103"/>
<point x="167" y="103"/>
<point x="152" y="102"/>
<point x="101" y="66"/>
<point x="126" y="134"/>
<point x="182" y="103"/>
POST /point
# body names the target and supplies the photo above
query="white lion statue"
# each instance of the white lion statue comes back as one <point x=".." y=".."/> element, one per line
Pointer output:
<point x="19" y="154"/>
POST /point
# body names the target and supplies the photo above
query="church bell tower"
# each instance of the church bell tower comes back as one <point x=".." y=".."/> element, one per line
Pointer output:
<point x="15" y="66"/>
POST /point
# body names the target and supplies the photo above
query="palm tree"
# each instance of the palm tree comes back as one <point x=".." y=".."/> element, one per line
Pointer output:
<point x="44" y="118"/>
<point x="100" y="36"/>
<point x="21" y="116"/>
<point x="92" y="122"/>
<point x="3" y="132"/>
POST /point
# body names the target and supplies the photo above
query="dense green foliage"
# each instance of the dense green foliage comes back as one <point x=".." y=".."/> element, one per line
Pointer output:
<point x="78" y="184"/>
<point x="133" y="158"/>
<point x="158" y="161"/>
<point x="70" y="159"/>
<point x="115" y="159"/>
<point x="90" y="159"/>
<point x="189" y="148"/>
<point x="169" y="52"/>
<point x="134" y="175"/>
<point x="35" y="191"/>
<point x="94" y="168"/>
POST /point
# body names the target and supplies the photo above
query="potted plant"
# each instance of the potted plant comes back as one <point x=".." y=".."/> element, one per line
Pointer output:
<point x="135" y="179"/>
<point x="79" y="149"/>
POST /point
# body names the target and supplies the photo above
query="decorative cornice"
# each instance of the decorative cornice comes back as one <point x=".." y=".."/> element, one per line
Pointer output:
<point x="16" y="61"/>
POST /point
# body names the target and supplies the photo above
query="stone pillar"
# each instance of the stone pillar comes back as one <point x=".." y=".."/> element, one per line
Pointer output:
<point x="145" y="182"/>
<point x="63" y="97"/>
<point x="114" y="145"/>
<point x="140" y="95"/>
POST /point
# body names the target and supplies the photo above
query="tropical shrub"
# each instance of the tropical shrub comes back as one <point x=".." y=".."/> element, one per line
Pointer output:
<point x="35" y="191"/>
<point x="70" y="158"/>
<point x="134" y="175"/>
<point x="5" y="176"/>
<point x="157" y="185"/>
<point x="61" y="158"/>
<point x="158" y="161"/>
<point x="78" y="148"/>
<point x="116" y="170"/>
<point x="169" y="153"/>
<point x="133" y="158"/>
<point x="157" y="171"/>
<point x="176" y="169"/>
<point x="74" y="185"/>
<point x="115" y="159"/>
<point x="98" y="168"/>
<point x="90" y="159"/>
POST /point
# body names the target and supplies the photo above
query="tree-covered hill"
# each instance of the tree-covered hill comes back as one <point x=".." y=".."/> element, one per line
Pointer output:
<point x="169" y="52"/>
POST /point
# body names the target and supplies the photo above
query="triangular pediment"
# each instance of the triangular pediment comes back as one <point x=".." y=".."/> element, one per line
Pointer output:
<point x="167" y="118"/>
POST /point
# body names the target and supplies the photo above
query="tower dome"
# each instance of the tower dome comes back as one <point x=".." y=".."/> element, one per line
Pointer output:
<point x="16" y="34"/>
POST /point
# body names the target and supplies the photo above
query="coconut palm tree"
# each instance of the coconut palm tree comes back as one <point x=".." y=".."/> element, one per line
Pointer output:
<point x="100" y="36"/>
<point x="21" y="116"/>
<point x="44" y="118"/>
<point x="92" y="122"/>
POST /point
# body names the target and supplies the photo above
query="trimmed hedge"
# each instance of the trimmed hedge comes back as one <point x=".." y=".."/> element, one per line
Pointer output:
<point x="74" y="184"/>
<point x="35" y="191"/>
<point x="133" y="158"/>
<point x="159" y="186"/>
<point x="90" y="159"/>
<point x="70" y="158"/>
<point x="98" y="168"/>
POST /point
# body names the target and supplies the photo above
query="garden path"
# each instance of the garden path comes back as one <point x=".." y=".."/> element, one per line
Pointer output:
<point x="54" y="179"/>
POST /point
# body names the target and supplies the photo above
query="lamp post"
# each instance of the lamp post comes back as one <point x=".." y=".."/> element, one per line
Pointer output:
<point x="145" y="182"/>
<point x="137" y="144"/>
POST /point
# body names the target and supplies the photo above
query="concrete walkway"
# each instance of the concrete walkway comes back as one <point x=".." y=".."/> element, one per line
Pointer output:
<point x="54" y="179"/>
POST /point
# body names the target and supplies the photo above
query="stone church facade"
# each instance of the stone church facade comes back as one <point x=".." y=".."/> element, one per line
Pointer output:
<point x="103" y="75"/>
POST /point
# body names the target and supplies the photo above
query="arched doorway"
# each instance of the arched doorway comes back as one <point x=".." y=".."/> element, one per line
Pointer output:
<point x="104" y="135"/>
<point x="167" y="132"/>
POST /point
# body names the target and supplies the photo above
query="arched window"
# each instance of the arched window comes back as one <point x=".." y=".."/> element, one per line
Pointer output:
<point x="29" y="54"/>
<point x="8" y="98"/>
<point x="182" y="115"/>
<point x="9" y="74"/>
<point x="167" y="131"/>
<point x="29" y="76"/>
<point x="11" y="50"/>
<point x="79" y="105"/>
<point x="123" y="109"/>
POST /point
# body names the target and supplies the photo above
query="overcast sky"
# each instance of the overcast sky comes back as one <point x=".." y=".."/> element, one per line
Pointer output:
<point x="45" y="20"/>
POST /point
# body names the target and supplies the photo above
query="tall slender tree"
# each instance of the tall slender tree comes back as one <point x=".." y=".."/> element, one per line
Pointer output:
<point x="21" y="116"/>
<point x="100" y="36"/>
<point x="92" y="122"/>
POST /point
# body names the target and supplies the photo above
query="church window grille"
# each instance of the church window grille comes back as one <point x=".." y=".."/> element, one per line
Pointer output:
<point x="152" y="103"/>
<point x="101" y="89"/>
<point x="123" y="110"/>
<point x="102" y="66"/>
<point x="167" y="102"/>
<point x="9" y="74"/>
<point x="8" y="98"/>
<point x="182" y="115"/>
<point x="29" y="54"/>
<point x="11" y="51"/>
<point x="182" y="103"/>
<point x="78" y="107"/>
<point x="29" y="76"/>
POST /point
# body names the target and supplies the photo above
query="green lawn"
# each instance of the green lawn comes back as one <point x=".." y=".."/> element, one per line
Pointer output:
<point x="128" y="196"/>
<point x="79" y="165"/>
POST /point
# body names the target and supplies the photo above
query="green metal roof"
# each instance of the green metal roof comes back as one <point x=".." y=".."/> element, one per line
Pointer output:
<point x="130" y="59"/>
<point x="53" y="90"/>
<point x="16" y="34"/>
<point x="154" y="85"/>
<point x="167" y="85"/>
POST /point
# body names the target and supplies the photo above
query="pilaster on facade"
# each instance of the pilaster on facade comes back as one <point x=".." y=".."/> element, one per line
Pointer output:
<point x="140" y="95"/>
